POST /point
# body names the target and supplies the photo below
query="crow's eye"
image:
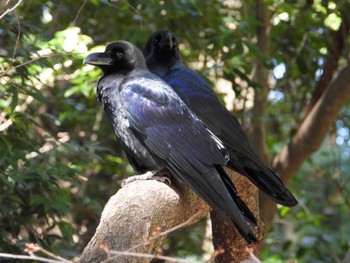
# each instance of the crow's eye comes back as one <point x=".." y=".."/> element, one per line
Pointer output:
<point x="156" y="40"/>
<point x="117" y="53"/>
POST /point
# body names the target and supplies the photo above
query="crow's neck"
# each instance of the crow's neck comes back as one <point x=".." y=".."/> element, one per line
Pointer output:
<point x="162" y="65"/>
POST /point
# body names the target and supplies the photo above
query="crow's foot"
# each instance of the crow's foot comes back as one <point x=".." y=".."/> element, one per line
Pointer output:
<point x="150" y="175"/>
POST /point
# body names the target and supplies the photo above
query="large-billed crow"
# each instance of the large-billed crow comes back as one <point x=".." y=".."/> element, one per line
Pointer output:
<point x="158" y="131"/>
<point x="163" y="59"/>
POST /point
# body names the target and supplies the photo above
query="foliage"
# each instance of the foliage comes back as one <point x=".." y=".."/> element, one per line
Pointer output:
<point x="59" y="160"/>
<point x="50" y="154"/>
<point x="320" y="221"/>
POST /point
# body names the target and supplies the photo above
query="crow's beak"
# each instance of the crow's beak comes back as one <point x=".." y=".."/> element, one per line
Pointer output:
<point x="167" y="41"/>
<point x="98" y="59"/>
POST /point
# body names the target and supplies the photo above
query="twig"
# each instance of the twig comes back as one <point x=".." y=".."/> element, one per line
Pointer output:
<point x="253" y="258"/>
<point x="79" y="11"/>
<point x="187" y="222"/>
<point x="133" y="8"/>
<point x="31" y="61"/>
<point x="164" y="233"/>
<point x="142" y="255"/>
<point x="155" y="236"/>
<point x="216" y="253"/>
<point x="168" y="259"/>
<point x="105" y="248"/>
<point x="18" y="36"/>
<point x="24" y="63"/>
<point x="300" y="48"/>
<point x="31" y="257"/>
<point x="11" y="9"/>
<point x="31" y="248"/>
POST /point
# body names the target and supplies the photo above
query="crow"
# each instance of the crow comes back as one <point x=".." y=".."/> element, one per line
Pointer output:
<point x="159" y="132"/>
<point x="163" y="59"/>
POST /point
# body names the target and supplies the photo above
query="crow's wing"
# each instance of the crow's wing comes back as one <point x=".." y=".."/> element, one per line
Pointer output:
<point x="166" y="124"/>
<point x="174" y="135"/>
<point x="201" y="99"/>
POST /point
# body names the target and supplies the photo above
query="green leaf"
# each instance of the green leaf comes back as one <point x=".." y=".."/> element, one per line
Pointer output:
<point x="67" y="230"/>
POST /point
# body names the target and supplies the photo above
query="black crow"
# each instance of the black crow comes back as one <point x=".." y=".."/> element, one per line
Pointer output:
<point x="163" y="59"/>
<point x="158" y="131"/>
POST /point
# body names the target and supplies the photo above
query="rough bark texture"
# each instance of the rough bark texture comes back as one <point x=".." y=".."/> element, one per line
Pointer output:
<point x="226" y="236"/>
<point x="134" y="212"/>
<point x="310" y="135"/>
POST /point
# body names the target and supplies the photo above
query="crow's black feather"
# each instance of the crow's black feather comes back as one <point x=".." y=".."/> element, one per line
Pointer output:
<point x="163" y="59"/>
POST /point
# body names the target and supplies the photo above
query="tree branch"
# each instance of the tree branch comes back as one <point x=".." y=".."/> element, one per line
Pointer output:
<point x="310" y="134"/>
<point x="331" y="64"/>
<point x="226" y="236"/>
<point x="10" y="9"/>
<point x="131" y="216"/>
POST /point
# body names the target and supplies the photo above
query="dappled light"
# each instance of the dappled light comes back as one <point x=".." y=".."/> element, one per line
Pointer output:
<point x="281" y="68"/>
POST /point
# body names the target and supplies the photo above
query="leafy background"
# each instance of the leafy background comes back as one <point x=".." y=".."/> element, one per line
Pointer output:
<point x="59" y="159"/>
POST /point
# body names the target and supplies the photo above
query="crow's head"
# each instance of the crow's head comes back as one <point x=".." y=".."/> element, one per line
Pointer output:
<point x="162" y="44"/>
<point x="118" y="56"/>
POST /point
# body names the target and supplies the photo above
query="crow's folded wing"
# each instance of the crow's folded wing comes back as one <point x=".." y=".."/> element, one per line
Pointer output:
<point x="201" y="99"/>
<point x="173" y="134"/>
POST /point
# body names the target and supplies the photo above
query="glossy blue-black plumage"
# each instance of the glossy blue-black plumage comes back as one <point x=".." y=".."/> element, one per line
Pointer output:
<point x="163" y="58"/>
<point x="158" y="131"/>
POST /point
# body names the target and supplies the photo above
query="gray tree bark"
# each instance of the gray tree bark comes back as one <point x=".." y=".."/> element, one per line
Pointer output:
<point x="131" y="216"/>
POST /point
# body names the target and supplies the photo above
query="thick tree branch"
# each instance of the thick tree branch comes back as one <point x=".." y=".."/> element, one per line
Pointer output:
<point x="226" y="236"/>
<point x="135" y="212"/>
<point x="331" y="64"/>
<point x="310" y="134"/>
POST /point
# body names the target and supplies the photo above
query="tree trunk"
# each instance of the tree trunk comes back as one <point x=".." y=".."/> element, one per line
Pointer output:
<point x="226" y="236"/>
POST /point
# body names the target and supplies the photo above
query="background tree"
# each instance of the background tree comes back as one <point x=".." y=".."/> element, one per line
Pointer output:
<point x="286" y="61"/>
